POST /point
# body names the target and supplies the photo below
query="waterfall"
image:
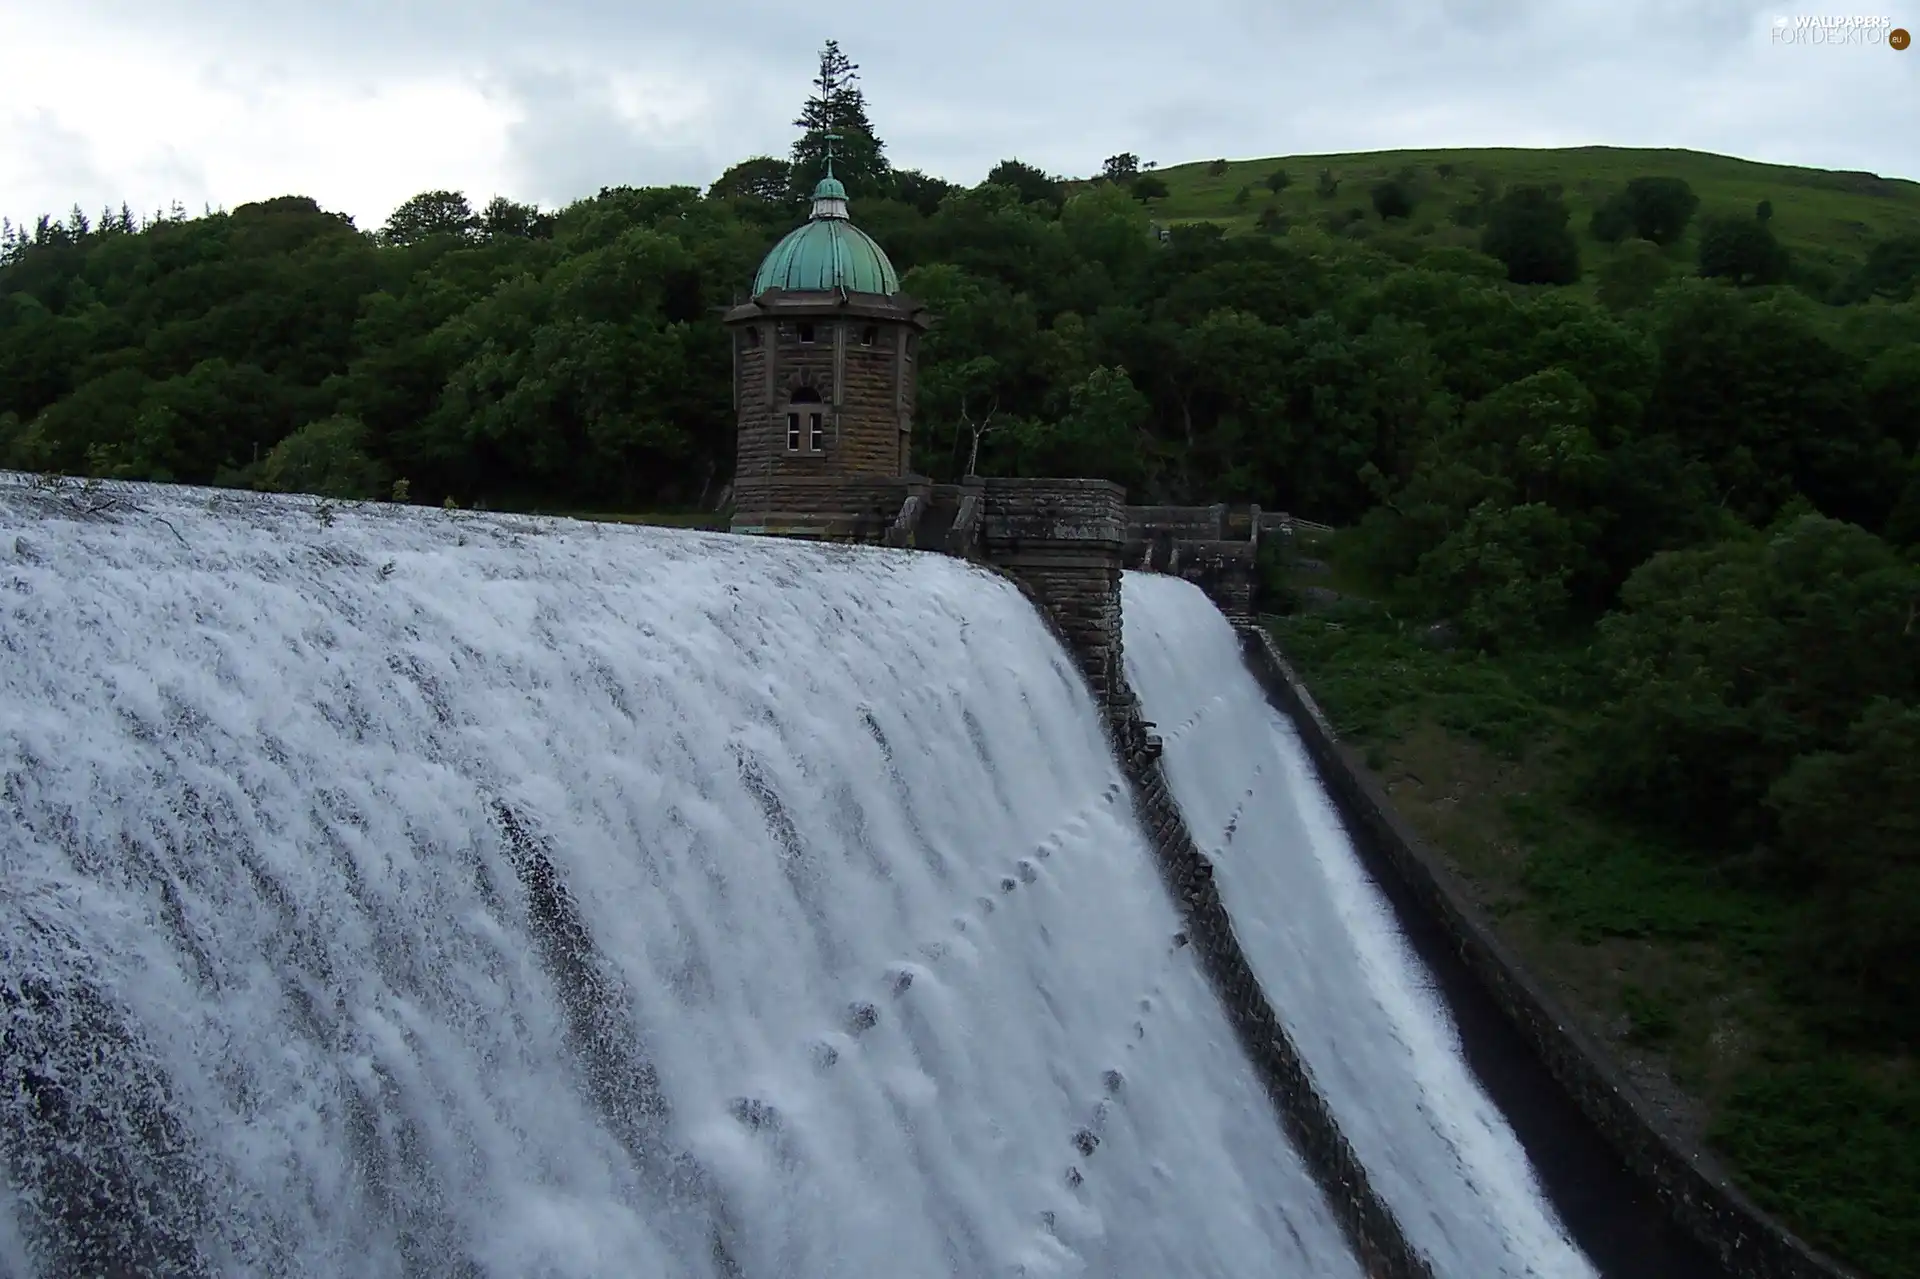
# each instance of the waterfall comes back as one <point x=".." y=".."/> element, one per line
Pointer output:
<point x="1324" y="945"/>
<point x="400" y="893"/>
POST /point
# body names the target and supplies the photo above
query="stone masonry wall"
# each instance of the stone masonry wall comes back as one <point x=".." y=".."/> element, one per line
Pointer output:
<point x="821" y="501"/>
<point x="1369" y="1225"/>
<point x="1692" y="1190"/>
<point x="1061" y="539"/>
<point x="1206" y="523"/>
<point x="864" y="440"/>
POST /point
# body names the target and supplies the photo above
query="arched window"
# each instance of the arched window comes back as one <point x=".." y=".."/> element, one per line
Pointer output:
<point x="806" y="333"/>
<point x="806" y="421"/>
<point x="870" y="335"/>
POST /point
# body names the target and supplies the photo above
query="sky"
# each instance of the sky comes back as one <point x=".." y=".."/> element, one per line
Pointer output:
<point x="363" y="103"/>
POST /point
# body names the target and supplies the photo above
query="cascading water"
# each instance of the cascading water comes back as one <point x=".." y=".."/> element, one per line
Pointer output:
<point x="1323" y="943"/>
<point x="394" y="892"/>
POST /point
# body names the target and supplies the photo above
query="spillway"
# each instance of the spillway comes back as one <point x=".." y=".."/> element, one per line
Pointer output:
<point x="394" y="892"/>
<point x="1322" y="940"/>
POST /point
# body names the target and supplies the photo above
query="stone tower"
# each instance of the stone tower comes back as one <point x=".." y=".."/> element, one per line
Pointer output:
<point x="823" y="382"/>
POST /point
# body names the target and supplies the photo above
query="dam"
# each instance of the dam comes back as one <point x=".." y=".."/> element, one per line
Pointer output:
<point x="397" y="892"/>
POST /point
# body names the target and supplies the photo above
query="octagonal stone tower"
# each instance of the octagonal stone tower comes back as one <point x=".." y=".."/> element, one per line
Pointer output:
<point x="823" y="382"/>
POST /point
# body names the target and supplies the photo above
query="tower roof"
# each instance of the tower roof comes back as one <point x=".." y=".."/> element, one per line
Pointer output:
<point x="829" y="252"/>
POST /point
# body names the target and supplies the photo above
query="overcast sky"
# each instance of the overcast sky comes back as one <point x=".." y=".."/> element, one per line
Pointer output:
<point x="362" y="103"/>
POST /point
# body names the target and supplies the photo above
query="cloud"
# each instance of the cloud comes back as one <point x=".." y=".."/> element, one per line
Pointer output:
<point x="361" y="103"/>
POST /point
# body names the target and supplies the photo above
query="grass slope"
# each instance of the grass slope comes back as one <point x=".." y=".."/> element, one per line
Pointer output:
<point x="1825" y="217"/>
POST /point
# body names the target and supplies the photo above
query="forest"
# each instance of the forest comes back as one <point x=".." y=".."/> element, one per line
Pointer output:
<point x="1660" y="449"/>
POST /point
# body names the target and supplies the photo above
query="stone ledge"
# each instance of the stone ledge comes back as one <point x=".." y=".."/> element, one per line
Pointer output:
<point x="1694" y="1193"/>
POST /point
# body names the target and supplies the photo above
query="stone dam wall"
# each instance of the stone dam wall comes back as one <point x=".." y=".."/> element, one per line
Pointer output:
<point x="1694" y="1193"/>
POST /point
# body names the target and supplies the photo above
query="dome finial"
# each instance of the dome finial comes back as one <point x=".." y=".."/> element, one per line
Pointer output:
<point x="829" y="195"/>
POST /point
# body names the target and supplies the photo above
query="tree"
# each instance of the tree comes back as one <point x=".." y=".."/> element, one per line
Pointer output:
<point x="1850" y="822"/>
<point x="1149" y="186"/>
<point x="327" y="458"/>
<point x="1632" y="276"/>
<point x="1392" y="198"/>
<point x="504" y="219"/>
<point x="1502" y="576"/>
<point x="920" y="191"/>
<point x="1097" y="437"/>
<point x="1728" y="662"/>
<point x="1660" y="208"/>
<point x="765" y="178"/>
<point x="1279" y="180"/>
<point x="1892" y="271"/>
<point x="838" y="107"/>
<point x="1612" y="219"/>
<point x="1216" y="168"/>
<point x="429" y="214"/>
<point x="1327" y="186"/>
<point x="1764" y="210"/>
<point x="1527" y="230"/>
<point x="1122" y="168"/>
<point x="1742" y="250"/>
<point x="1035" y="186"/>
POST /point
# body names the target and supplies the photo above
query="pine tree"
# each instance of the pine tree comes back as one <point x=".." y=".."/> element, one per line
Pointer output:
<point x="838" y="107"/>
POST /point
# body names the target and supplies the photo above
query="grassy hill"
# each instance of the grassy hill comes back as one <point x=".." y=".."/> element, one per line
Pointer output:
<point x="1827" y="219"/>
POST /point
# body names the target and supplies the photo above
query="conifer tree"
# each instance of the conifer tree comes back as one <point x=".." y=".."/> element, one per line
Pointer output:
<point x="840" y="108"/>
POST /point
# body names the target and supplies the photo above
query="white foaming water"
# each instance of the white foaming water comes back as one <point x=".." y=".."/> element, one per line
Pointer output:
<point x="392" y="892"/>
<point x="1324" y="944"/>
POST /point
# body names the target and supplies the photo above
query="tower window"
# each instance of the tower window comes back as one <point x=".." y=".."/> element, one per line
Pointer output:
<point x="870" y="335"/>
<point x="806" y="333"/>
<point x="753" y="337"/>
<point x="910" y="345"/>
<point x="806" y="421"/>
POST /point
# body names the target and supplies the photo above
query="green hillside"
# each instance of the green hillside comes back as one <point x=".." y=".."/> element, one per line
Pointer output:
<point x="1828" y="220"/>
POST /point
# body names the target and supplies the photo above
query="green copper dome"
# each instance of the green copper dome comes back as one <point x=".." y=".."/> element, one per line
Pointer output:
<point x="828" y="253"/>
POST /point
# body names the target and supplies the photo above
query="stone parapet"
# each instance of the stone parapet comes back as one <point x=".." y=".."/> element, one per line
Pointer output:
<point x="1206" y="523"/>
<point x="1019" y="512"/>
